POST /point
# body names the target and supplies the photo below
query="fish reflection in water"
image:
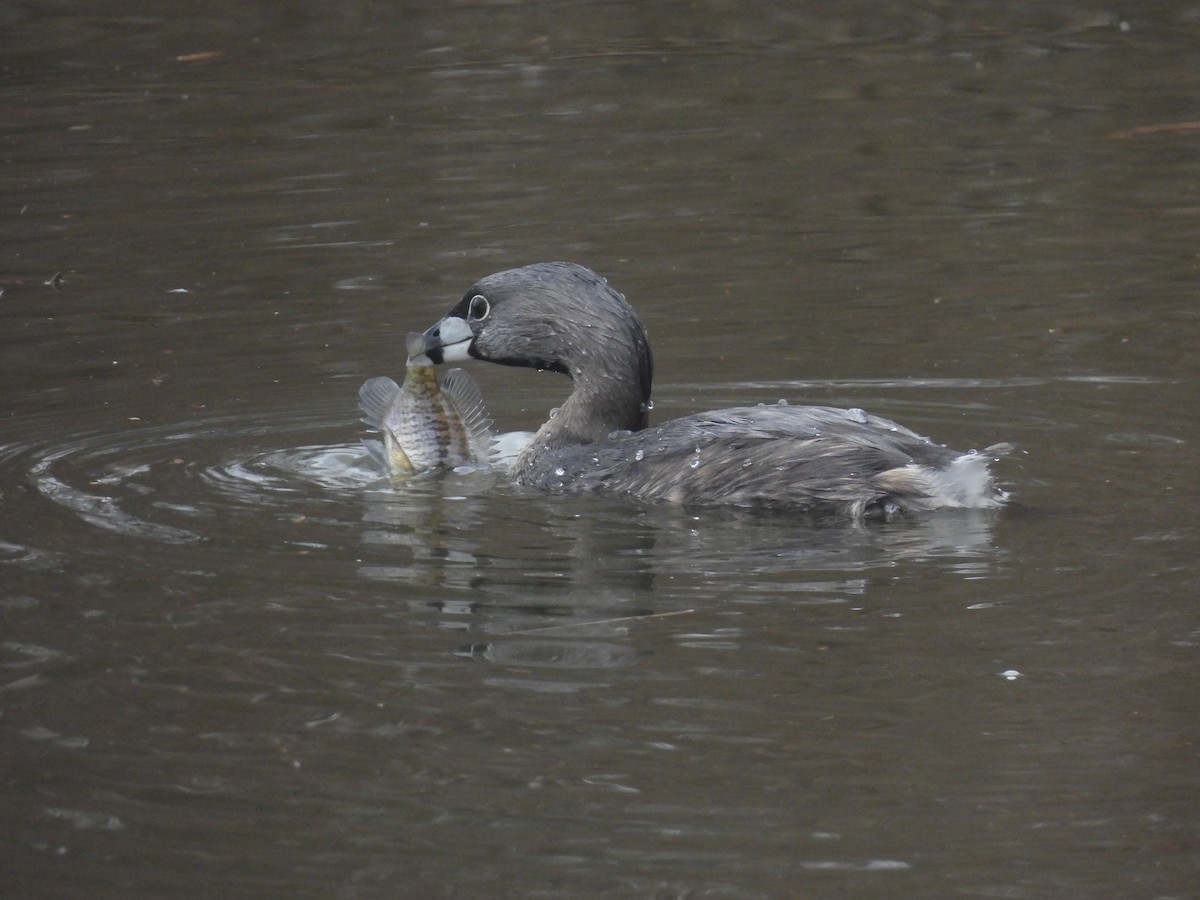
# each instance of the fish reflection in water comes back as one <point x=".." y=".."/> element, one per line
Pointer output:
<point x="424" y="424"/>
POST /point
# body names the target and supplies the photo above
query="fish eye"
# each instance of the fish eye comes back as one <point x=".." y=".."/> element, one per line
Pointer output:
<point x="479" y="308"/>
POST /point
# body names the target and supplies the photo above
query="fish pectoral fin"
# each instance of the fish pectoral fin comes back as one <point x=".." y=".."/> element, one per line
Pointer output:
<point x="396" y="460"/>
<point x="389" y="456"/>
<point x="375" y="451"/>
<point x="375" y="398"/>
<point x="464" y="398"/>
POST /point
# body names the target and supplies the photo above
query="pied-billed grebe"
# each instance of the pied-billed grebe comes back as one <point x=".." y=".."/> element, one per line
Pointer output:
<point x="565" y="318"/>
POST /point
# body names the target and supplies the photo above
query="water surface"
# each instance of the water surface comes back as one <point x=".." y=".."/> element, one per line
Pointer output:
<point x="234" y="661"/>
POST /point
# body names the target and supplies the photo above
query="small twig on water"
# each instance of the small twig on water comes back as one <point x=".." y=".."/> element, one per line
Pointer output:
<point x="662" y="615"/>
<point x="1158" y="128"/>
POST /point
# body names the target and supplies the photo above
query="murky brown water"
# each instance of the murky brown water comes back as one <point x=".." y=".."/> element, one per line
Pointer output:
<point x="232" y="666"/>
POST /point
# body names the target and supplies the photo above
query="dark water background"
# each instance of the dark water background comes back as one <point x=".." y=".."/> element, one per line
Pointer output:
<point x="232" y="666"/>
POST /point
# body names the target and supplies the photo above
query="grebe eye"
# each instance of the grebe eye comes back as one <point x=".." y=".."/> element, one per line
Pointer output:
<point x="479" y="308"/>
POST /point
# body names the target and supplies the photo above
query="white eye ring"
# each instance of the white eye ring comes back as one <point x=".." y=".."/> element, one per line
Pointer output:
<point x="479" y="308"/>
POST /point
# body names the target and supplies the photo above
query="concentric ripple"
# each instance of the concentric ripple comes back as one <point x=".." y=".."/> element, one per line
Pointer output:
<point x="273" y="475"/>
<point x="179" y="484"/>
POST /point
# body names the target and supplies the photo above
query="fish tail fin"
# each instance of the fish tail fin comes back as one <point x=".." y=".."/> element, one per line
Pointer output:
<point x="415" y="345"/>
<point x="375" y="398"/>
<point x="462" y="393"/>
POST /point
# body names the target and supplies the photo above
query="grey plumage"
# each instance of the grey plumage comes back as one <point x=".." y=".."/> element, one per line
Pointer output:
<point x="565" y="318"/>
